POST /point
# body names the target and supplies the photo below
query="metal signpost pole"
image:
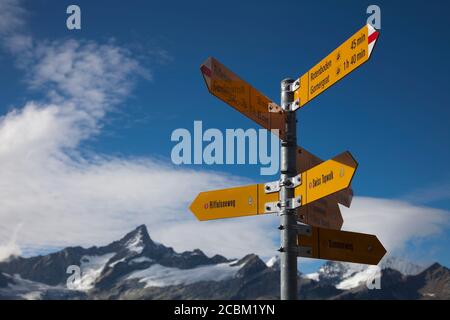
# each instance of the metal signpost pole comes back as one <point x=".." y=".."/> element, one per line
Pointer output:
<point x="288" y="254"/>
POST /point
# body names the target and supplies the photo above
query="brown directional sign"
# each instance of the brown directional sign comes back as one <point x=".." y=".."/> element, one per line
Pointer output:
<point x="306" y="160"/>
<point x="237" y="93"/>
<point x="323" y="213"/>
<point x="344" y="197"/>
<point x="341" y="246"/>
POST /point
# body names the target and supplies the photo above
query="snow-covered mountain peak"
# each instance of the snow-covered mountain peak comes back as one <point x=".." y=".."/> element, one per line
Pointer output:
<point x="273" y="263"/>
<point x="136" y="244"/>
<point x="345" y="275"/>
<point x="403" y="266"/>
<point x="136" y="240"/>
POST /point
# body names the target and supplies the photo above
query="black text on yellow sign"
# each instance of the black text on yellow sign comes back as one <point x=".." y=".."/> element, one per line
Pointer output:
<point x="342" y="61"/>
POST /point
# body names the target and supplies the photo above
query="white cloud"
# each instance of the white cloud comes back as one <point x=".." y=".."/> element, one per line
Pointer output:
<point x="394" y="222"/>
<point x="62" y="198"/>
<point x="94" y="76"/>
<point x="11" y="16"/>
<point x="429" y="194"/>
<point x="10" y="248"/>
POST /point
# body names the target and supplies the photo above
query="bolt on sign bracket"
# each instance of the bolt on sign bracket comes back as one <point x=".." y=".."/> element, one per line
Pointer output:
<point x="303" y="229"/>
<point x="275" y="186"/>
<point x="274" y="108"/>
<point x="275" y="207"/>
<point x="305" y="252"/>
<point x="292" y="106"/>
<point x="295" y="105"/>
<point x="295" y="85"/>
<point x="272" y="187"/>
<point x="270" y="207"/>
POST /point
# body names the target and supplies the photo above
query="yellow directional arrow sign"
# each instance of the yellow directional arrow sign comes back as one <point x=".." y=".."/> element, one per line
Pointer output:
<point x="232" y="202"/>
<point x="327" y="178"/>
<point x="231" y="89"/>
<point x="338" y="245"/>
<point x="343" y="60"/>
<point x="320" y="181"/>
<point x="306" y="160"/>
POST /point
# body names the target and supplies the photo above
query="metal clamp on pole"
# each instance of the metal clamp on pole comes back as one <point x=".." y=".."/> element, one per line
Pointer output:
<point x="294" y="203"/>
<point x="271" y="207"/>
<point x="291" y="106"/>
<point x="295" y="85"/>
<point x="291" y="88"/>
<point x="271" y="187"/>
<point x="279" y="206"/>
<point x="305" y="252"/>
<point x="303" y="229"/>
<point x="275" y="186"/>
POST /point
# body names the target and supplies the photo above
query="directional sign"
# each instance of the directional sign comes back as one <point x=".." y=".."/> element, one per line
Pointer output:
<point x="231" y="89"/>
<point x="320" y="181"/>
<point x="232" y="202"/>
<point x="341" y="246"/>
<point x="323" y="213"/>
<point x="343" y="60"/>
<point x="306" y="160"/>
<point x="326" y="178"/>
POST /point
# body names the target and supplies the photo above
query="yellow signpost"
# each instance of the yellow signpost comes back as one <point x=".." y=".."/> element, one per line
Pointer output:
<point x="343" y="60"/>
<point x="338" y="245"/>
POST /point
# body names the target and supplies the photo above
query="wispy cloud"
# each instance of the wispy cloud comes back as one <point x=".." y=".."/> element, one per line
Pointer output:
<point x="12" y="16"/>
<point x="429" y="194"/>
<point x="395" y="222"/>
<point x="10" y="248"/>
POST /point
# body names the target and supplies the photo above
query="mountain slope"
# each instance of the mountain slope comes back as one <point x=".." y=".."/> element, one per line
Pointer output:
<point x="136" y="267"/>
<point x="102" y="266"/>
<point x="347" y="276"/>
<point x="432" y="283"/>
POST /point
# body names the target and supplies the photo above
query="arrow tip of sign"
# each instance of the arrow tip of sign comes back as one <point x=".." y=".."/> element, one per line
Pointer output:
<point x="205" y="67"/>
<point x="379" y="248"/>
<point x="206" y="70"/>
<point x="373" y="37"/>
<point x="347" y="159"/>
<point x="194" y="207"/>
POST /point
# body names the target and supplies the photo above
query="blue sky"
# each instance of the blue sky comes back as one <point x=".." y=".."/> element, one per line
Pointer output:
<point x="392" y="113"/>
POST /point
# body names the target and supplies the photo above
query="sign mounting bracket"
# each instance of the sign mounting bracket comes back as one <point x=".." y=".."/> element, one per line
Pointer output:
<point x="275" y="186"/>
<point x="302" y="229"/>
<point x="305" y="251"/>
<point x="276" y="206"/>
